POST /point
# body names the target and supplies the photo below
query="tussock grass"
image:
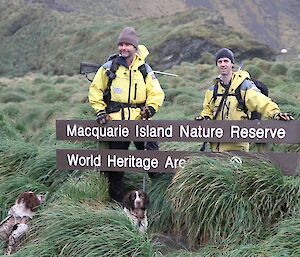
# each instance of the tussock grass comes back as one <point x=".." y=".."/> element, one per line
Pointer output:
<point x="281" y="242"/>
<point x="7" y="130"/>
<point x="14" y="154"/>
<point x="161" y="207"/>
<point x="279" y="69"/>
<point x="11" y="186"/>
<point x="226" y="204"/>
<point x="253" y="70"/>
<point x="43" y="169"/>
<point x="91" y="186"/>
<point x="293" y="73"/>
<point x="11" y="97"/>
<point x="85" y="230"/>
<point x="11" y="110"/>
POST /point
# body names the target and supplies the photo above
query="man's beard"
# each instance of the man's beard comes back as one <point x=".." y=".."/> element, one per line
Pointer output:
<point x="125" y="54"/>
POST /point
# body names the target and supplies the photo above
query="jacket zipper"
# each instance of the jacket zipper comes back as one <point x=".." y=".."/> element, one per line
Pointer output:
<point x="135" y="90"/>
<point x="129" y="93"/>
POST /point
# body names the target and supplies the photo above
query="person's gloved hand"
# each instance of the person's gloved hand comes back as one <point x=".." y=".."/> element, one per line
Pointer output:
<point x="147" y="112"/>
<point x="283" y="116"/>
<point x="102" y="117"/>
<point x="199" y="117"/>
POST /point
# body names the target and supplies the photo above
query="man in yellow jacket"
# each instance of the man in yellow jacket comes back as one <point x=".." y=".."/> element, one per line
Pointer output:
<point x="221" y="103"/>
<point x="133" y="94"/>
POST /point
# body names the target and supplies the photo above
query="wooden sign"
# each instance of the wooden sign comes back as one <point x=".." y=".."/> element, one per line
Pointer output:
<point x="174" y="130"/>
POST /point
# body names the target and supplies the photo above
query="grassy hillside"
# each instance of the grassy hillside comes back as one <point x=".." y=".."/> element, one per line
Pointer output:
<point x="39" y="39"/>
<point x="272" y="22"/>
<point x="124" y="8"/>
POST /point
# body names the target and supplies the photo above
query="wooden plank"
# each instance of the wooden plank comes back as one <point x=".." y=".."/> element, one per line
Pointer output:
<point x="253" y="131"/>
<point x="159" y="161"/>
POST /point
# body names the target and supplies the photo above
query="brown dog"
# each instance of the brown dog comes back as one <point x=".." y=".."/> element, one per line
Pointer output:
<point x="135" y="205"/>
<point x="15" y="226"/>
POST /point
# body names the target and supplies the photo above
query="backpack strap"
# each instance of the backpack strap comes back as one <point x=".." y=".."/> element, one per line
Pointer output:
<point x="111" y="74"/>
<point x="261" y="86"/>
<point x="143" y="70"/>
<point x="214" y="98"/>
<point x="241" y="102"/>
<point x="224" y="97"/>
<point x="215" y="90"/>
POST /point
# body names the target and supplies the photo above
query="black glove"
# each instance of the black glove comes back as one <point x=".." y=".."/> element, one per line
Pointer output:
<point x="199" y="117"/>
<point x="147" y="112"/>
<point x="102" y="117"/>
<point x="283" y="116"/>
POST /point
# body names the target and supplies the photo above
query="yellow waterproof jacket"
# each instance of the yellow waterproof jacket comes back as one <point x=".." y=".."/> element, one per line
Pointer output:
<point x="254" y="101"/>
<point x="128" y="87"/>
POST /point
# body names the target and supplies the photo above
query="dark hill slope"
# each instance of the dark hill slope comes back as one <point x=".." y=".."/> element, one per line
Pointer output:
<point x="274" y="22"/>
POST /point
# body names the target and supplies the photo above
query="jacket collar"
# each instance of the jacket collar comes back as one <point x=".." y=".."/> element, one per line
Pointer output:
<point x="237" y="78"/>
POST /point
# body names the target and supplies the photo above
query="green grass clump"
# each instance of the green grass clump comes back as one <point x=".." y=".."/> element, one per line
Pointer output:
<point x="294" y="74"/>
<point x="91" y="186"/>
<point x="11" y="97"/>
<point x="7" y="130"/>
<point x="279" y="69"/>
<point x="161" y="207"/>
<point x="11" y="110"/>
<point x="42" y="168"/>
<point x="14" y="155"/>
<point x="85" y="230"/>
<point x="227" y="204"/>
<point x="270" y="81"/>
<point x="254" y="71"/>
<point x="13" y="185"/>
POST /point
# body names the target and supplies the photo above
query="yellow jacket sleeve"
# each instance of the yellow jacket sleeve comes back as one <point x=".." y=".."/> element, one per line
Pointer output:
<point x="155" y="94"/>
<point x="97" y="89"/>
<point x="207" y="107"/>
<point x="256" y="101"/>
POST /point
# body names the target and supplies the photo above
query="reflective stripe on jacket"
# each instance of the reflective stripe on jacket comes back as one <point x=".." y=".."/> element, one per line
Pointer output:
<point x="129" y="87"/>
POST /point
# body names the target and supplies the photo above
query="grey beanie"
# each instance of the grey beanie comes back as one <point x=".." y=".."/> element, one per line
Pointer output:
<point x="225" y="52"/>
<point x="128" y="35"/>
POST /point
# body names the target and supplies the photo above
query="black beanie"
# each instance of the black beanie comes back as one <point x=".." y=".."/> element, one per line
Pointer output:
<point x="128" y="35"/>
<point x="225" y="52"/>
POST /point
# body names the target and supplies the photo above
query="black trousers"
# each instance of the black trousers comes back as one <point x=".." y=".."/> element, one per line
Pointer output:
<point x="116" y="181"/>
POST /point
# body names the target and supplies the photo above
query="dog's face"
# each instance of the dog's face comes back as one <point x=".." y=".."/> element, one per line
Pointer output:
<point x="136" y="199"/>
<point x="31" y="199"/>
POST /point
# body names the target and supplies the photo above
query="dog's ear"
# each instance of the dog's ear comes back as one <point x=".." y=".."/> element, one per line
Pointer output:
<point x="30" y="199"/>
<point x="147" y="200"/>
<point x="127" y="201"/>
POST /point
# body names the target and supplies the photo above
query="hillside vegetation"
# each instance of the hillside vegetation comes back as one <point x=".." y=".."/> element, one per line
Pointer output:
<point x="272" y="22"/>
<point x="38" y="39"/>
